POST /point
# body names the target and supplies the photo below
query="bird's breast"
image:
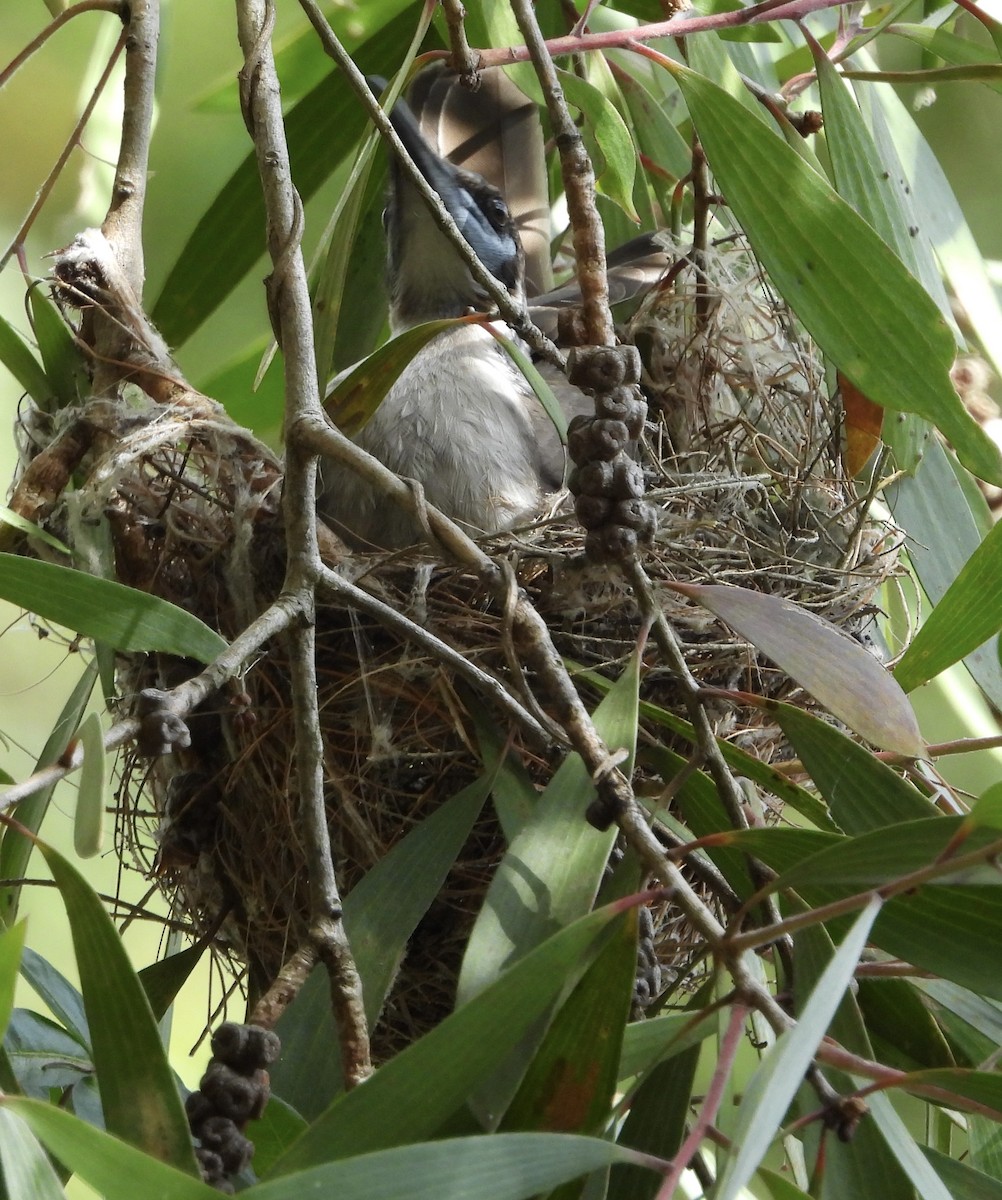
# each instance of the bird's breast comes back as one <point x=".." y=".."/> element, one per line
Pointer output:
<point x="463" y="422"/>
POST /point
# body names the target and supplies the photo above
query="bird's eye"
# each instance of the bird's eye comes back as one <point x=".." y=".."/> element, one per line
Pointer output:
<point x="496" y="212"/>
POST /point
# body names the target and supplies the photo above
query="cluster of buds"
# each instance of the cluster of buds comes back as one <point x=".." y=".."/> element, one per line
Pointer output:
<point x="233" y="1091"/>
<point x="607" y="482"/>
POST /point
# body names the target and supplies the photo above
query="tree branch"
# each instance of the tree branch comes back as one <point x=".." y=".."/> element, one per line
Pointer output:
<point x="289" y="305"/>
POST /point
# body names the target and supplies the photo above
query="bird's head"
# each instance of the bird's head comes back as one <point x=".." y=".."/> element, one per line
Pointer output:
<point x="427" y="278"/>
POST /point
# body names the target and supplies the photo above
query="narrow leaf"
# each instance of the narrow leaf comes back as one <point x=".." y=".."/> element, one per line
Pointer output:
<point x="967" y="616"/>
<point x="27" y="1172"/>
<point x="110" y="612"/>
<point x="114" y="1169"/>
<point x="31" y="530"/>
<point x="616" y="160"/>
<point x="862" y="792"/>
<point x="356" y="396"/>
<point x="24" y="366"/>
<point x="380" y="914"/>
<point x="60" y="997"/>
<point x="570" y="1083"/>
<point x="823" y="257"/>
<point x="60" y="356"/>
<point x="927" y="1183"/>
<point x="163" y="979"/>
<point x="88" y="818"/>
<point x="397" y="1106"/>
<point x="11" y="948"/>
<point x="963" y="1181"/>
<point x="141" y="1103"/>
<point x="16" y="848"/>
<point x="551" y="873"/>
<point x="775" y="1083"/>
<point x="837" y="671"/>
<point x="513" y="1166"/>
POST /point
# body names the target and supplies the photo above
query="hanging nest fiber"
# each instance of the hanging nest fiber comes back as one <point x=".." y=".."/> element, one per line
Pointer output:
<point x="743" y="462"/>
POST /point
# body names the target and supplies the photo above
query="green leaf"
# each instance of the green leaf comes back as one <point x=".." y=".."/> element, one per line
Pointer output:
<point x="355" y="397"/>
<point x="31" y="530"/>
<point x="552" y="870"/>
<point x="943" y="535"/>
<point x="110" y="612"/>
<point x="24" y="366"/>
<point x="823" y="257"/>
<point x="60" y="357"/>
<point x="948" y="46"/>
<point x="570" y="1083"/>
<point x="163" y="979"/>
<point x="27" y="1172"/>
<point x="657" y="1039"/>
<point x="963" y="1181"/>
<point x="902" y="1145"/>
<point x="60" y="997"/>
<point x="773" y="1086"/>
<point x="141" y="1103"/>
<point x="16" y="848"/>
<point x="323" y="128"/>
<point x="88" y="818"/>
<point x="862" y="792"/>
<point x="656" y="1122"/>
<point x="114" y="1169"/>
<point x="11" y="948"/>
<point x="380" y="914"/>
<point x="616" y="160"/>
<point x="838" y="672"/>
<point x="967" y="616"/>
<point x="512" y="1166"/>
<point x="542" y="390"/>
<point x="397" y="1106"/>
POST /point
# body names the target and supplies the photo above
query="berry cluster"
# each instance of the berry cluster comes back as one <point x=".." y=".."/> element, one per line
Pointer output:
<point x="607" y="482"/>
<point x="233" y="1091"/>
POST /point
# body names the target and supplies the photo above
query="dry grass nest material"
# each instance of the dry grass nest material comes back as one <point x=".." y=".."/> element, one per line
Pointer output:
<point x="744" y="466"/>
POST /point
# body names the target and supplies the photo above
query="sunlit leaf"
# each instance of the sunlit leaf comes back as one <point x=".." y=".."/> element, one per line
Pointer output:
<point x="968" y="614"/>
<point x="616" y="160"/>
<point x="11" y="947"/>
<point x="773" y="1086"/>
<point x="551" y="873"/>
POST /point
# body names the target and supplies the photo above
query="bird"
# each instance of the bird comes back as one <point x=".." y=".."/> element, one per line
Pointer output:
<point x="461" y="419"/>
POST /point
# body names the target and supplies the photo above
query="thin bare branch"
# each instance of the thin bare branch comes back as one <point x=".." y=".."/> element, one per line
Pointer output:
<point x="289" y="304"/>
<point x="587" y="230"/>
<point x="37" y="42"/>
<point x="464" y="61"/>
<point x="71" y="144"/>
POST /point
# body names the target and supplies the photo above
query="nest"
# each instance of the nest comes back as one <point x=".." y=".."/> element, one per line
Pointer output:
<point x="743" y="461"/>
